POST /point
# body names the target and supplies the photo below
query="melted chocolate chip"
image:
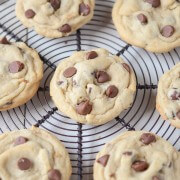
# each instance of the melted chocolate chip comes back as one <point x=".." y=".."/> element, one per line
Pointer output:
<point x="175" y="96"/>
<point x="69" y="72"/>
<point x="84" y="9"/>
<point x="66" y="28"/>
<point x="112" y="175"/>
<point x="126" y="66"/>
<point x="16" y="66"/>
<point x="91" y="55"/>
<point x="30" y="13"/>
<point x="55" y="4"/>
<point x="147" y="138"/>
<point x="155" y="178"/>
<point x="178" y="114"/>
<point x="167" y="31"/>
<point x="154" y="3"/>
<point x="127" y="153"/>
<point x="140" y="166"/>
<point x="24" y="164"/>
<point x="54" y="174"/>
<point x="112" y="91"/>
<point x="142" y="18"/>
<point x="84" y="108"/>
<point x="103" y="160"/>
<point x="102" y="77"/>
<point x="4" y="41"/>
<point x="20" y="140"/>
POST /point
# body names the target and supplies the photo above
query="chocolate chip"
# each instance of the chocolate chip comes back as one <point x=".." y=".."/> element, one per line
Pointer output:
<point x="175" y="96"/>
<point x="69" y="72"/>
<point x="20" y="140"/>
<point x="142" y="18"/>
<point x="24" y="164"/>
<point x="91" y="55"/>
<point x="103" y="160"/>
<point x="127" y="153"/>
<point x="154" y="3"/>
<point x="84" y="108"/>
<point x="30" y="13"/>
<point x="147" y="138"/>
<point x="84" y="9"/>
<point x="126" y="66"/>
<point x="167" y="31"/>
<point x="112" y="175"/>
<point x="102" y="77"/>
<point x="140" y="166"/>
<point x="4" y="41"/>
<point x="112" y="91"/>
<point x="16" y="66"/>
<point x="54" y="174"/>
<point x="155" y="178"/>
<point x="66" y="28"/>
<point x="178" y="114"/>
<point x="55" y="4"/>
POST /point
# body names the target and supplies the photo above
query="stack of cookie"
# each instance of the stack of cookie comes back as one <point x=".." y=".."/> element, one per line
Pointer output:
<point x="91" y="87"/>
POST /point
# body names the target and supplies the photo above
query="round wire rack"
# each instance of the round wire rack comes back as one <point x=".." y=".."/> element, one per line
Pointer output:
<point x="84" y="141"/>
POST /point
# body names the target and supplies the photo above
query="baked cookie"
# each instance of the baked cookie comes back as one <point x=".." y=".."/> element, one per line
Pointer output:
<point x="168" y="97"/>
<point x="93" y="87"/>
<point x="137" y="155"/>
<point x="150" y="24"/>
<point x="54" y="18"/>
<point x="33" y="154"/>
<point x="20" y="73"/>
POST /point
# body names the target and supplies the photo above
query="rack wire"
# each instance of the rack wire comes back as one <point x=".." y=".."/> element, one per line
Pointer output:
<point x="84" y="141"/>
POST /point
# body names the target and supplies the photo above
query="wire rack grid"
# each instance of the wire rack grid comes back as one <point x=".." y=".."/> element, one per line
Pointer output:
<point x="84" y="141"/>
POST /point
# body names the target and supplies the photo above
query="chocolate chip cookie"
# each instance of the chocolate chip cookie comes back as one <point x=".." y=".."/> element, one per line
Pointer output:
<point x="168" y="97"/>
<point x="150" y="24"/>
<point x="20" y="73"/>
<point x="93" y="87"/>
<point x="33" y="154"/>
<point x="137" y="155"/>
<point x="54" y="18"/>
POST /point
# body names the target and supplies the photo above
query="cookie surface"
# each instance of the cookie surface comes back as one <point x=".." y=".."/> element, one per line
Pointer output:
<point x="20" y="73"/>
<point x="33" y="154"/>
<point x="150" y="24"/>
<point x="136" y="155"/>
<point x="93" y="87"/>
<point x="54" y="18"/>
<point x="168" y="97"/>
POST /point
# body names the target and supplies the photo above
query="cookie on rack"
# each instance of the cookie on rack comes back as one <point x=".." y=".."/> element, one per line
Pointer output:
<point x="20" y="73"/>
<point x="137" y="155"/>
<point x="55" y="18"/>
<point x="33" y="154"/>
<point x="150" y="24"/>
<point x="168" y="97"/>
<point x="93" y="87"/>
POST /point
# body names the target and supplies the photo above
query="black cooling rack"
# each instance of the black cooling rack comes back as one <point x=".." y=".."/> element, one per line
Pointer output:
<point x="83" y="141"/>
